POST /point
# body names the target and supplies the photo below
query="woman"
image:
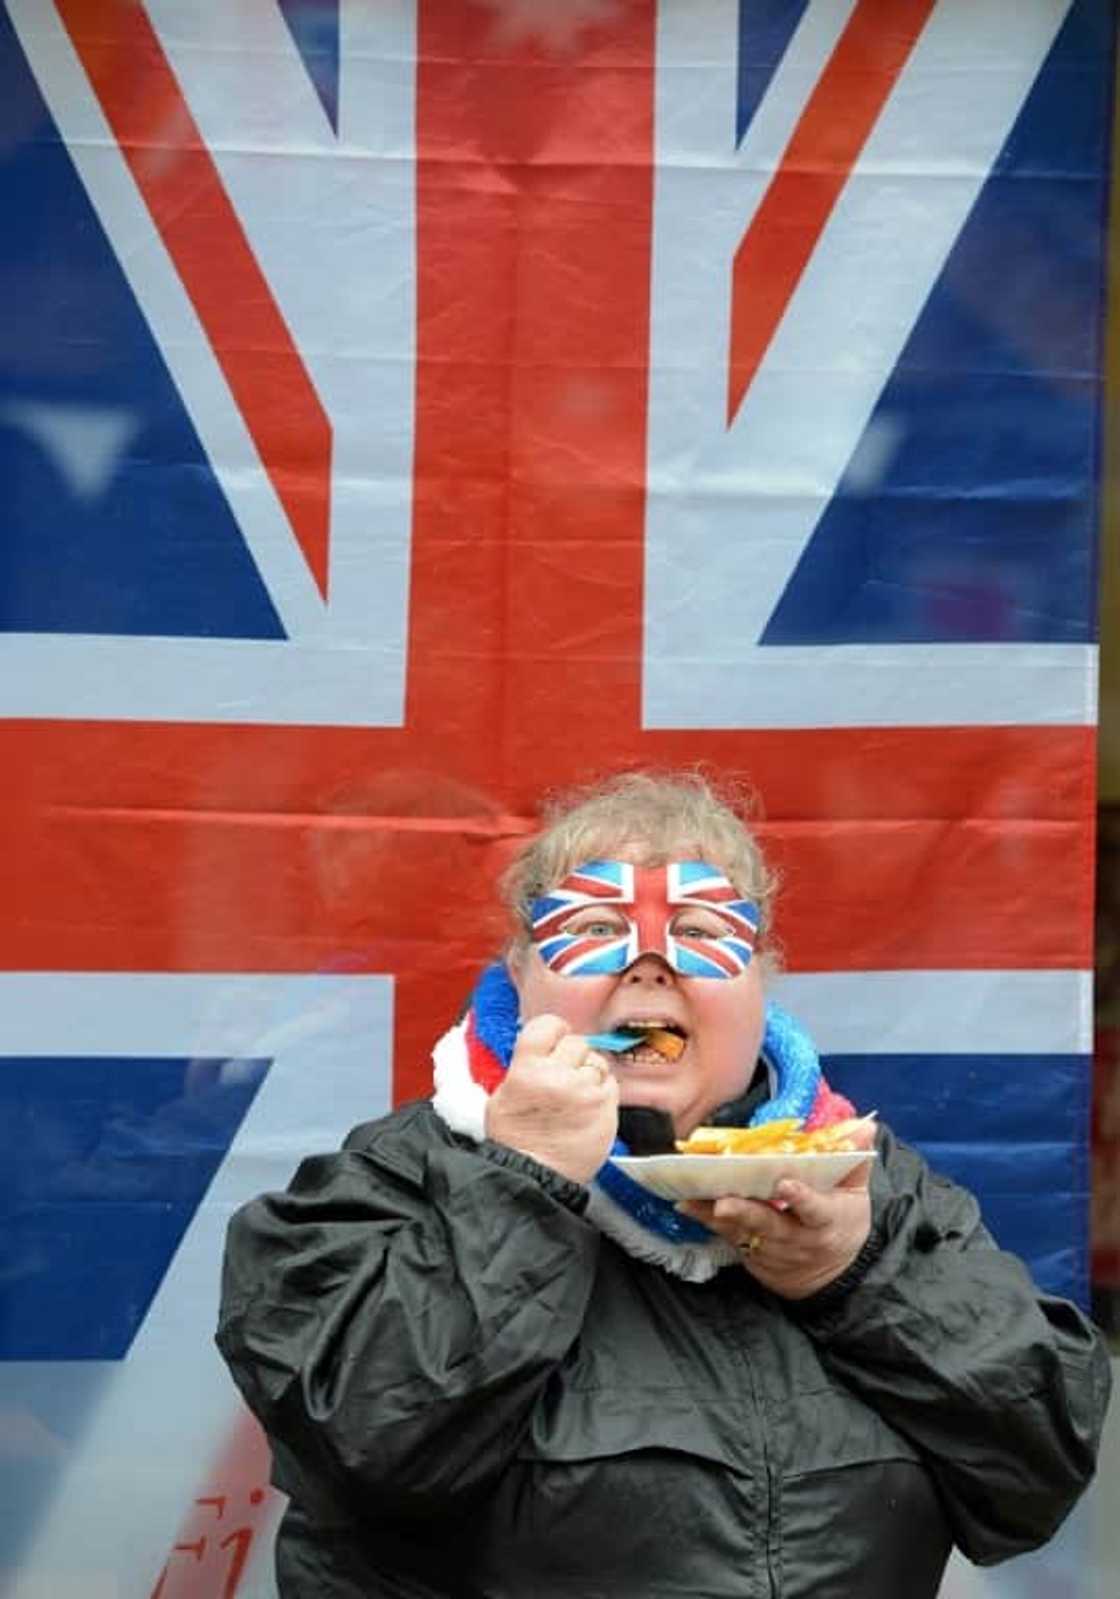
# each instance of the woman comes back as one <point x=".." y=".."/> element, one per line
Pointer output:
<point x="490" y="1365"/>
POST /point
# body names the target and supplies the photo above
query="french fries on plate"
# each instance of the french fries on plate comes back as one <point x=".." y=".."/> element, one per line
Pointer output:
<point x="785" y="1137"/>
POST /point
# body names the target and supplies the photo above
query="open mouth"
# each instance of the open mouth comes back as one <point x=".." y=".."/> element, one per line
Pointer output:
<point x="655" y="1038"/>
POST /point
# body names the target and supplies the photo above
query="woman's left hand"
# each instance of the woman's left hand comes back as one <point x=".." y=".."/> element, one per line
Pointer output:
<point x="799" y="1240"/>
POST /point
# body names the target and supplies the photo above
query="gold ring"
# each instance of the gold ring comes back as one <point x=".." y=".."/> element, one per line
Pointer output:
<point x="750" y="1245"/>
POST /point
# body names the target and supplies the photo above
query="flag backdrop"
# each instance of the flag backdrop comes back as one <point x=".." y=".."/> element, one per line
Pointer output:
<point x="412" y="405"/>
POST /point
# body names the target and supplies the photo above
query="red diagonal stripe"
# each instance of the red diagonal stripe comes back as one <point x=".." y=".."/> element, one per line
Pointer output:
<point x="818" y="160"/>
<point x="182" y="189"/>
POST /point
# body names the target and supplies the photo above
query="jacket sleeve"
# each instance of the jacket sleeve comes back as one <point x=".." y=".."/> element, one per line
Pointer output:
<point x="393" y="1317"/>
<point x="1001" y="1389"/>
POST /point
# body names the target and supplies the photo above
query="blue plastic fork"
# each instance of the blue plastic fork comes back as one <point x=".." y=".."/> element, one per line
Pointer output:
<point x="614" y="1043"/>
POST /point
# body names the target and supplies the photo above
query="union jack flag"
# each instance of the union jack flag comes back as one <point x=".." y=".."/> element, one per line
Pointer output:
<point x="410" y="406"/>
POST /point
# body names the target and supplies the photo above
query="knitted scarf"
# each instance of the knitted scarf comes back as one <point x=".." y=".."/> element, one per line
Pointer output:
<point x="471" y="1057"/>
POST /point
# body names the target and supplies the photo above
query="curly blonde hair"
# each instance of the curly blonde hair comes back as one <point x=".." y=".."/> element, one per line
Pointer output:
<point x="668" y="815"/>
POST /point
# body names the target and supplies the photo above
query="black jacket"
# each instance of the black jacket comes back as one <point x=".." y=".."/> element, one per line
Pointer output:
<point x="469" y="1391"/>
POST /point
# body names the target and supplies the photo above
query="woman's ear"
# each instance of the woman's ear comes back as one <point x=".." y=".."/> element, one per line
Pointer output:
<point x="516" y="955"/>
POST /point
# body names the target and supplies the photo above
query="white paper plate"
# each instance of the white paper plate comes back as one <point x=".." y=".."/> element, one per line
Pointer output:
<point x="744" y="1176"/>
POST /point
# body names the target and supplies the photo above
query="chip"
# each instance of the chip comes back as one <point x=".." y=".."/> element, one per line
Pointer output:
<point x="786" y="1136"/>
<point x="671" y="1045"/>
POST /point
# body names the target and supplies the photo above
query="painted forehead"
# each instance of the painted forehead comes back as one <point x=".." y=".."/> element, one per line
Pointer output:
<point x="641" y="908"/>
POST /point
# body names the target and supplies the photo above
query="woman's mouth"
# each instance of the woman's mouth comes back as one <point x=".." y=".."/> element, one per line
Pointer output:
<point x="657" y="1039"/>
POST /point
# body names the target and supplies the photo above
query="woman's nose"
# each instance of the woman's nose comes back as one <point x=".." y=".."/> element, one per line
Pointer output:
<point x="649" y="968"/>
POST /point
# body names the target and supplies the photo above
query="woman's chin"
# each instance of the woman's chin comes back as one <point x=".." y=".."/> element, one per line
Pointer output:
<point x="652" y="1095"/>
<point x="645" y="1091"/>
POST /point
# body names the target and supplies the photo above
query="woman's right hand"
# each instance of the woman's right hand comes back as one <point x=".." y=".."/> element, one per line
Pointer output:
<point x="558" y="1101"/>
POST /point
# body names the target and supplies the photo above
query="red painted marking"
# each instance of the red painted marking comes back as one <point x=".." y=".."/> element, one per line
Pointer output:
<point x="183" y="190"/>
<point x="831" y="132"/>
<point x="197" y="1549"/>
<point x="239" y="1542"/>
<point x="240" y="1466"/>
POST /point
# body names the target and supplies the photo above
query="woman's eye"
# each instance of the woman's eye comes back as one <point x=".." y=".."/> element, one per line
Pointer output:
<point x="593" y="928"/>
<point x="712" y="928"/>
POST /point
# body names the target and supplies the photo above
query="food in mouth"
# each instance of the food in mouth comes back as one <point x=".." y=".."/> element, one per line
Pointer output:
<point x="666" y="1042"/>
<point x="634" y="1038"/>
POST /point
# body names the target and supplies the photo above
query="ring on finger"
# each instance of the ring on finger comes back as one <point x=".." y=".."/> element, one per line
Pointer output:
<point x="750" y="1245"/>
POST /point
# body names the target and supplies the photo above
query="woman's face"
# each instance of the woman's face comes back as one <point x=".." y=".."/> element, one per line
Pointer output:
<point x="721" y="1018"/>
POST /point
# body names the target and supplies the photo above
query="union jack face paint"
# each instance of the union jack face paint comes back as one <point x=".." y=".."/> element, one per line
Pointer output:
<point x="604" y="915"/>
